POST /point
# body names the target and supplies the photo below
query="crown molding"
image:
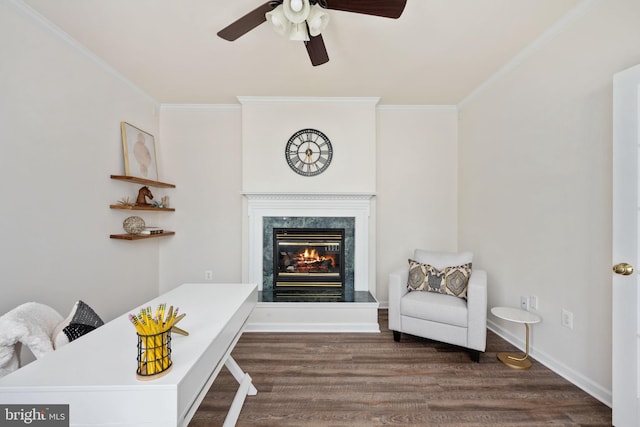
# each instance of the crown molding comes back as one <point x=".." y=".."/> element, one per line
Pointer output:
<point x="447" y="108"/>
<point x="200" y="107"/>
<point x="306" y="196"/>
<point x="306" y="100"/>
<point x="30" y="13"/>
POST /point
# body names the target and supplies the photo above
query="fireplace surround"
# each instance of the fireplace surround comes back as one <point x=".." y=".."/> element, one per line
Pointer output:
<point x="356" y="309"/>
<point x="266" y="211"/>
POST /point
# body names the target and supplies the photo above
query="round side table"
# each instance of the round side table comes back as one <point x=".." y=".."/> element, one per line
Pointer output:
<point x="516" y="315"/>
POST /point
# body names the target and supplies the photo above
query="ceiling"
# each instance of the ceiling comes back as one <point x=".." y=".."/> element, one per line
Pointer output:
<point x="436" y="53"/>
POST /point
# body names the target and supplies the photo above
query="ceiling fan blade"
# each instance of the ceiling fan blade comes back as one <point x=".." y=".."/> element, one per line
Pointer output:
<point x="386" y="8"/>
<point x="247" y="23"/>
<point x="316" y="50"/>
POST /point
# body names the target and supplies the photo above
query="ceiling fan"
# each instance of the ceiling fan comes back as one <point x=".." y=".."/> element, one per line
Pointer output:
<point x="305" y="19"/>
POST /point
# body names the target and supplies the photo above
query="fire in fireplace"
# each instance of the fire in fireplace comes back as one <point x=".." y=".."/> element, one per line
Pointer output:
<point x="308" y="258"/>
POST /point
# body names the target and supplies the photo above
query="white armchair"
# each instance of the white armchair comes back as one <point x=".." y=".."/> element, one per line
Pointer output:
<point x="440" y="317"/>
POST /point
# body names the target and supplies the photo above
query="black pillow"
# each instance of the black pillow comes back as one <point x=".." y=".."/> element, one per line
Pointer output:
<point x="80" y="321"/>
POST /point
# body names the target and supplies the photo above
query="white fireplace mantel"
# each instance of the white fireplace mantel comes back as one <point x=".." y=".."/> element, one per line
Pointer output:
<point x="350" y="205"/>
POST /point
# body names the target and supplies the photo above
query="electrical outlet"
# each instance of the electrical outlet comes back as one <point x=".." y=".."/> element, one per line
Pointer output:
<point x="567" y="318"/>
<point x="524" y="303"/>
<point x="208" y="275"/>
<point x="533" y="302"/>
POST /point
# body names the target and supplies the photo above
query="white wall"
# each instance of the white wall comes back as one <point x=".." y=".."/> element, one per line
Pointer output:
<point x="416" y="186"/>
<point x="60" y="113"/>
<point x="203" y="144"/>
<point x="535" y="187"/>
<point x="268" y="123"/>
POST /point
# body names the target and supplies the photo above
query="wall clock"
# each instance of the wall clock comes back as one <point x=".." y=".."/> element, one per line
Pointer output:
<point x="309" y="152"/>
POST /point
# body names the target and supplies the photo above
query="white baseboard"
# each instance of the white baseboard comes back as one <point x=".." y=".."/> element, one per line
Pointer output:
<point x="313" y="327"/>
<point x="576" y="378"/>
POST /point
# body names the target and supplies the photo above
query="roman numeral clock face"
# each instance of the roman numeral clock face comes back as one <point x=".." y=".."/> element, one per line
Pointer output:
<point x="308" y="152"/>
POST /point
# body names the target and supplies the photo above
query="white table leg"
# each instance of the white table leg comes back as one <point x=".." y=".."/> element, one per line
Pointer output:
<point x="239" y="375"/>
<point x="236" y="406"/>
<point x="246" y="388"/>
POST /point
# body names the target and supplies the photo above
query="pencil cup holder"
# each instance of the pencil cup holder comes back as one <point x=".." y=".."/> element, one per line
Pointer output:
<point x="154" y="354"/>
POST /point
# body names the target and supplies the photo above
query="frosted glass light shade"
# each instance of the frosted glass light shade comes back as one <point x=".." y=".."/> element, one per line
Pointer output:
<point x="296" y="17"/>
<point x="279" y="21"/>
<point x="317" y="20"/>
<point x="296" y="5"/>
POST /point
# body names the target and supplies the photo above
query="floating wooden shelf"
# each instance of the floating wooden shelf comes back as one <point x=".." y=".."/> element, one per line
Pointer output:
<point x="142" y="181"/>
<point x="141" y="236"/>
<point x="141" y="208"/>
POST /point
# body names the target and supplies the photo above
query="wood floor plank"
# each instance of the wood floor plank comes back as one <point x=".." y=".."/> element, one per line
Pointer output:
<point x="370" y="380"/>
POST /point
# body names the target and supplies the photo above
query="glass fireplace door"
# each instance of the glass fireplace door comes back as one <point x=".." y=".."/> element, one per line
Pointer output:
<point x="308" y="258"/>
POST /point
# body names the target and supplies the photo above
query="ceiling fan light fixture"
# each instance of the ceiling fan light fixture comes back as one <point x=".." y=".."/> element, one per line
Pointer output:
<point x="317" y="20"/>
<point x="300" y="13"/>
<point x="279" y="21"/>
<point x="296" y="5"/>
<point x="299" y="32"/>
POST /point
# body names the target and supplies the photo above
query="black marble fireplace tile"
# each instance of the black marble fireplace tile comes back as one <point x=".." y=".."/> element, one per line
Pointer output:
<point x="315" y="296"/>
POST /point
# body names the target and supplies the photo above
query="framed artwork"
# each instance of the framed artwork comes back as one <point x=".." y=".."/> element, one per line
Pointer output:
<point x="139" y="152"/>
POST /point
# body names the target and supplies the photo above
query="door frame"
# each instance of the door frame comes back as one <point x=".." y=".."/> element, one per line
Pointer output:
<point x="625" y="322"/>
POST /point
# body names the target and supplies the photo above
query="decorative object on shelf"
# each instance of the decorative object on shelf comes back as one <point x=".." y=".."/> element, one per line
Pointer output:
<point x="126" y="204"/>
<point x="163" y="203"/>
<point x="308" y="152"/>
<point x="154" y="339"/>
<point x="126" y="201"/>
<point x="139" y="152"/>
<point x="133" y="225"/>
<point x="143" y="193"/>
<point x="152" y="230"/>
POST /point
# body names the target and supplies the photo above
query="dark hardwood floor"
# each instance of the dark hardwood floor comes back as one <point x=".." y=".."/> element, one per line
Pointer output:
<point x="370" y="380"/>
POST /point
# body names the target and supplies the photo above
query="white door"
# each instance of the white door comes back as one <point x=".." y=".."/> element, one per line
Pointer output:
<point x="626" y="216"/>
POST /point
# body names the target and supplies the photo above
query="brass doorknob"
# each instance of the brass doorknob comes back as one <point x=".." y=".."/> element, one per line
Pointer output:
<point x="623" y="268"/>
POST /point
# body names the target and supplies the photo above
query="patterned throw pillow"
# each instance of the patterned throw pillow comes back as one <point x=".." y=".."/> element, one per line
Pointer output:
<point x="449" y="281"/>
<point x="456" y="280"/>
<point x="417" y="276"/>
<point x="424" y="277"/>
